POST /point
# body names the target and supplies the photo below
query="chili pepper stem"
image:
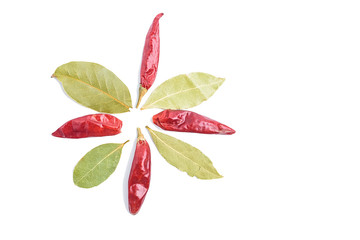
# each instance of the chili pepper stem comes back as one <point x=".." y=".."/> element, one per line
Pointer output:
<point x="140" y="135"/>
<point x="142" y="92"/>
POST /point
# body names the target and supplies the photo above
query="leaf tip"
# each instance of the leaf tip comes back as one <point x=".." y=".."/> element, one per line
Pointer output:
<point x="82" y="186"/>
<point x="217" y="175"/>
<point x="75" y="180"/>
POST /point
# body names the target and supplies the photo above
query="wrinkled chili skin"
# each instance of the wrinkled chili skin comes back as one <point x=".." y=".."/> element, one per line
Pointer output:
<point x="187" y="121"/>
<point x="151" y="52"/>
<point x="139" y="177"/>
<point x="94" y="125"/>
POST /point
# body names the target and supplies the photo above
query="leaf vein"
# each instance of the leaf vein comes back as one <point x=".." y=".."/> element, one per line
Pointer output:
<point x="179" y="92"/>
<point x="180" y="153"/>
<point x="117" y="100"/>
<point x="98" y="163"/>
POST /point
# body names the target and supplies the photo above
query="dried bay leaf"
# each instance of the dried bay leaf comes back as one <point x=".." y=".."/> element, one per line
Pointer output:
<point x="184" y="91"/>
<point x="97" y="165"/>
<point x="184" y="156"/>
<point x="94" y="86"/>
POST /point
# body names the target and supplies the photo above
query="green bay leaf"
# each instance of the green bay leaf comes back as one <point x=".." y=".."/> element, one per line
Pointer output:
<point x="184" y="156"/>
<point x="184" y="91"/>
<point x="94" y="86"/>
<point x="97" y="165"/>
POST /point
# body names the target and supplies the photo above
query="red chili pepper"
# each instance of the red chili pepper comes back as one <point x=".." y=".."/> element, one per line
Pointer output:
<point x="94" y="125"/>
<point x="139" y="177"/>
<point x="187" y="121"/>
<point x="150" y="59"/>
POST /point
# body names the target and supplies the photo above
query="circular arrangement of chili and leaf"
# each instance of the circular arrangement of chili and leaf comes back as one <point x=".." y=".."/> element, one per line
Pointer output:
<point x="96" y="87"/>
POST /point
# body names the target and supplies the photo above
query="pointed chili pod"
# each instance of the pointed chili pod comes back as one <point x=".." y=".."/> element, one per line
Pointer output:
<point x="139" y="177"/>
<point x="93" y="125"/>
<point x="187" y="121"/>
<point x="150" y="59"/>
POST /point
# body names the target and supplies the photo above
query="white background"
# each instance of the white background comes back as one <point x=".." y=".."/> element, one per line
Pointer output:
<point x="291" y="92"/>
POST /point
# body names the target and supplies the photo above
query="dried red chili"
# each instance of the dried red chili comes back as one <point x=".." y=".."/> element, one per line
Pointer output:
<point x="150" y="59"/>
<point x="139" y="177"/>
<point x="187" y="121"/>
<point x="94" y="125"/>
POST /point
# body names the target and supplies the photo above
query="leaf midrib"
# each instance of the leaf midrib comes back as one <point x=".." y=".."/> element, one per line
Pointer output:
<point x="180" y="152"/>
<point x="182" y="91"/>
<point x="92" y="169"/>
<point x="76" y="79"/>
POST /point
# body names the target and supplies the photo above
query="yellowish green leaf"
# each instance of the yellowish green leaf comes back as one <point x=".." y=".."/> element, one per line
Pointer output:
<point x="184" y="91"/>
<point x="184" y="156"/>
<point x="94" y="86"/>
<point x="97" y="165"/>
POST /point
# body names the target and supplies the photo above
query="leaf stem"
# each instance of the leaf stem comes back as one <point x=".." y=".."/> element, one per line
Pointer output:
<point x="125" y="143"/>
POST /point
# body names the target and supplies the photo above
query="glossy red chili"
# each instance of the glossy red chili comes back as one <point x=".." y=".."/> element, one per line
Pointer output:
<point x="94" y="125"/>
<point x="139" y="177"/>
<point x="150" y="59"/>
<point x="187" y="121"/>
